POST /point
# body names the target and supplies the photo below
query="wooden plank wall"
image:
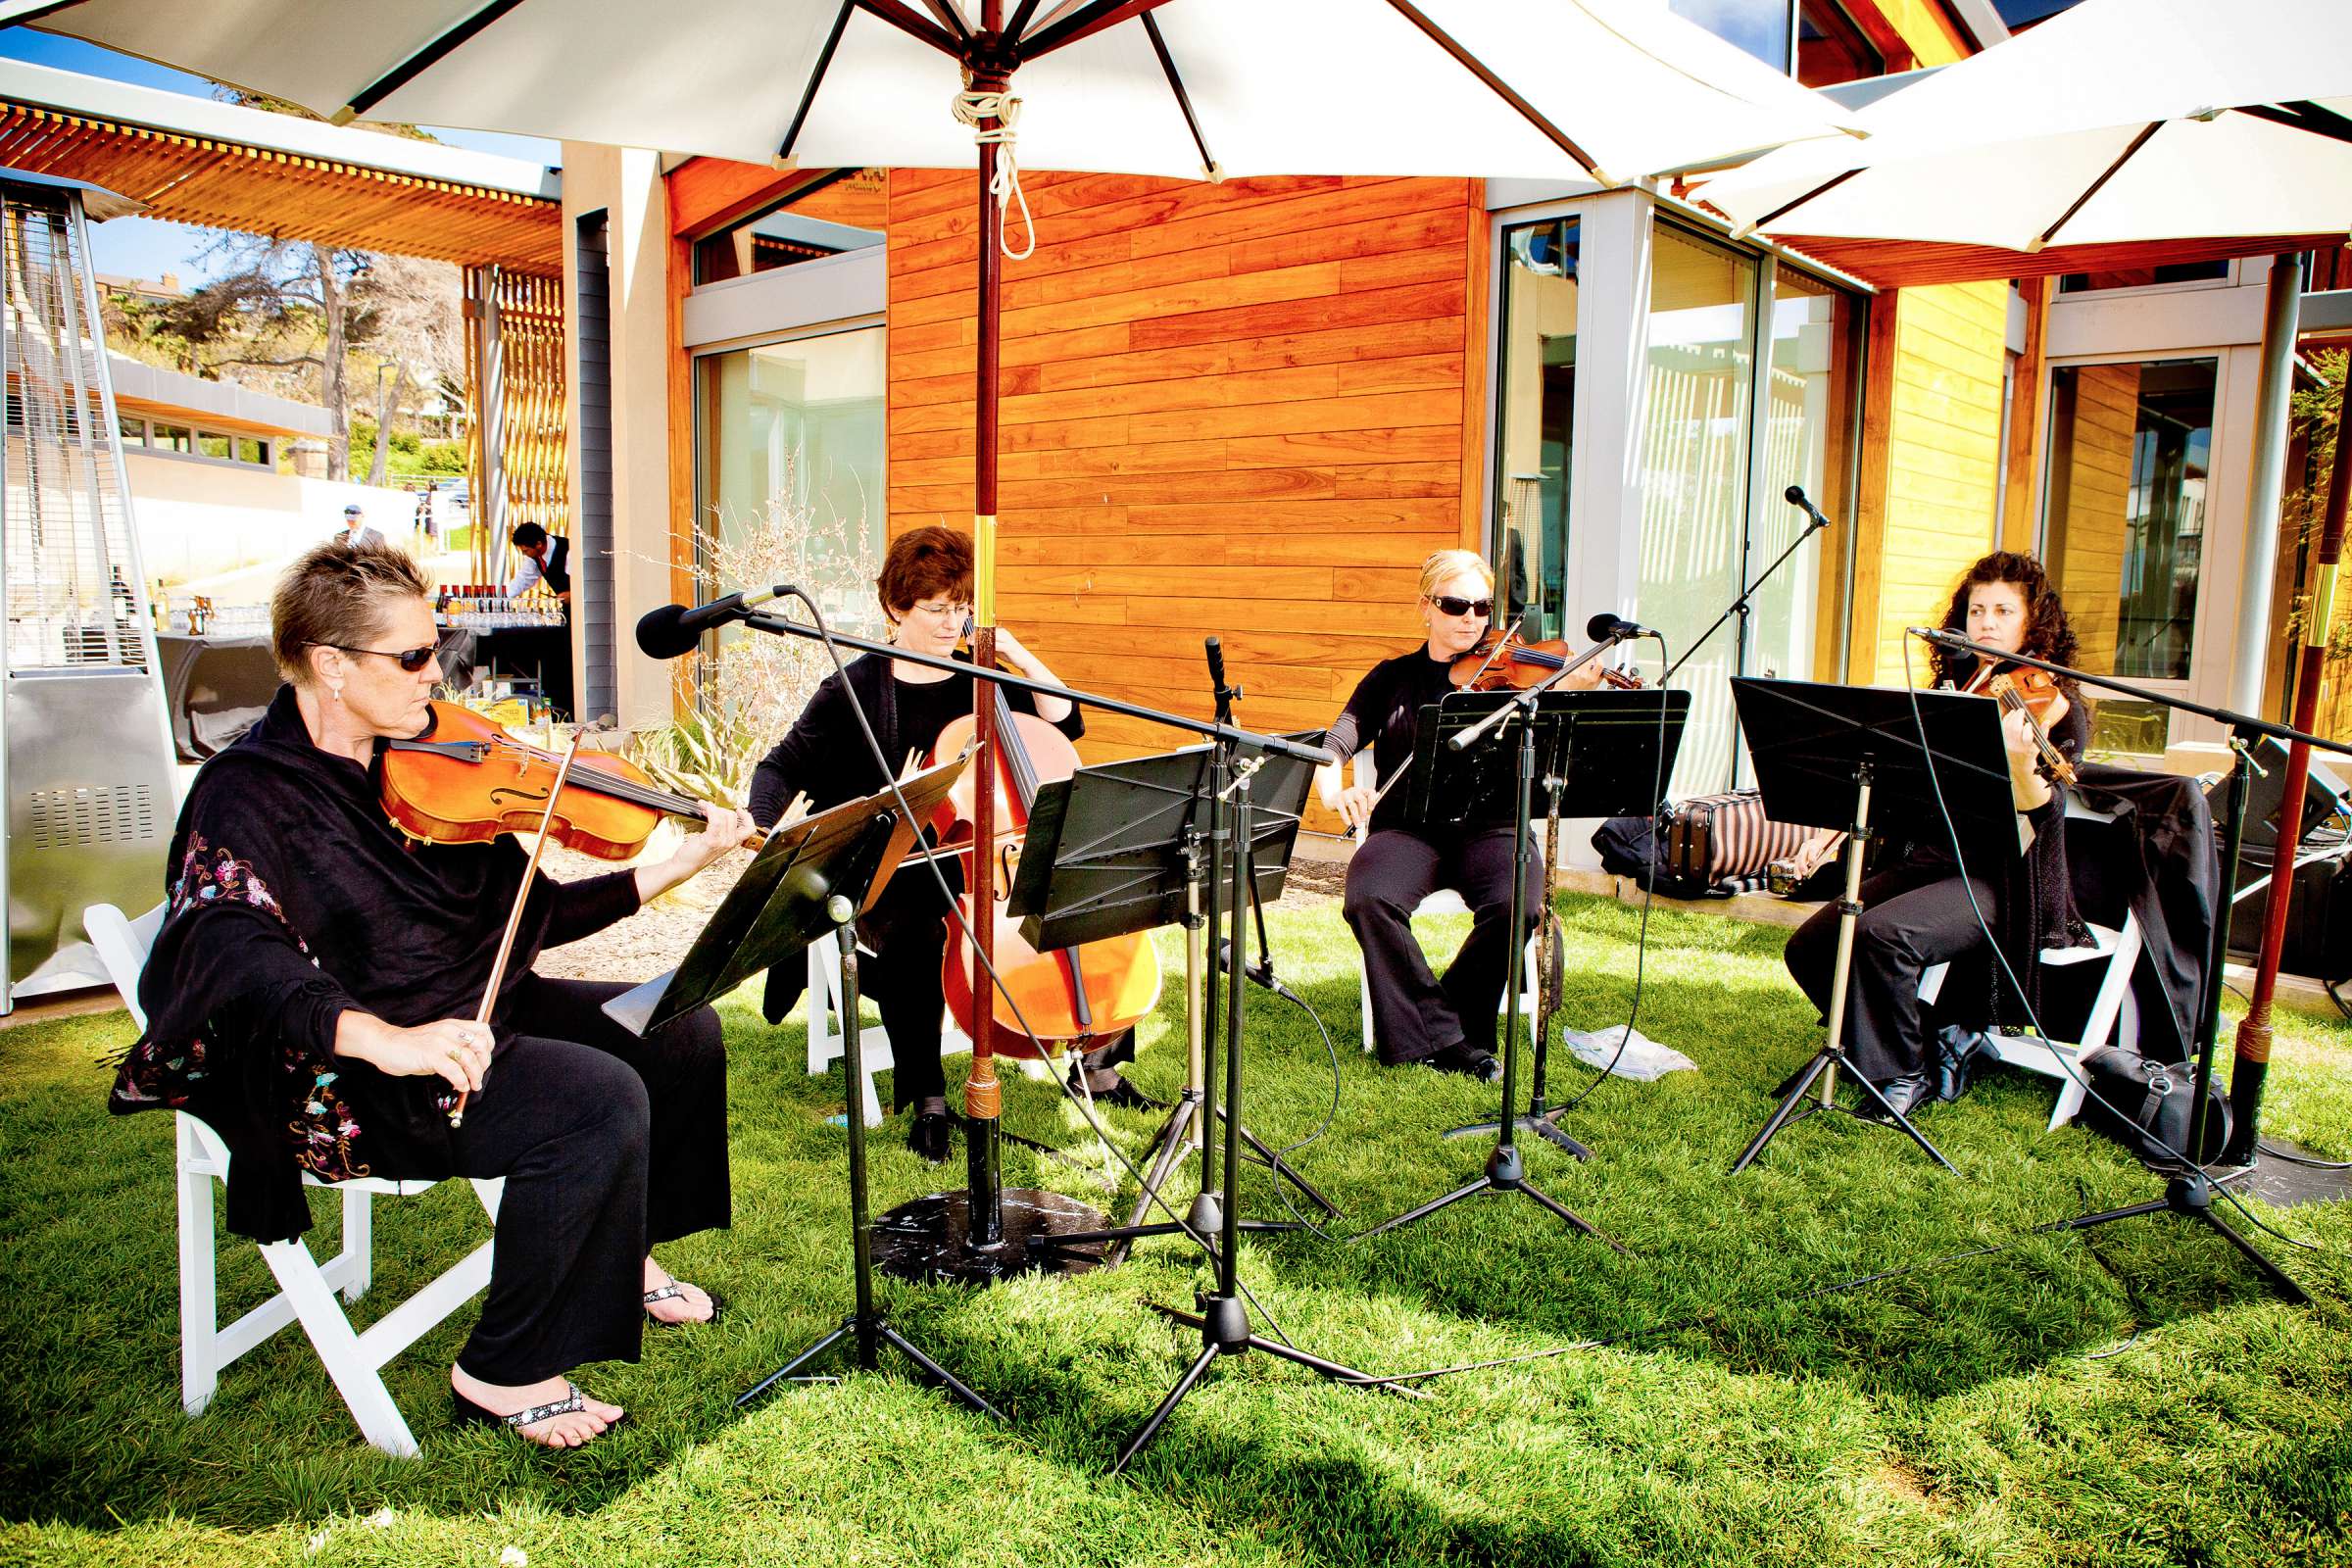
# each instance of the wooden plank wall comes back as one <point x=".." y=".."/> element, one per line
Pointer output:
<point x="1942" y="458"/>
<point x="1249" y="410"/>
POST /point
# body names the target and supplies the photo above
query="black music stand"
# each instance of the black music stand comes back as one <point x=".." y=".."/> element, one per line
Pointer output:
<point x="1850" y="757"/>
<point x="809" y="879"/>
<point x="1121" y="848"/>
<point x="1612" y="748"/>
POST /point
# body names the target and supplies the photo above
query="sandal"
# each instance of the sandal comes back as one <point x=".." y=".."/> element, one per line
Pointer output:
<point x="672" y="1291"/>
<point x="464" y="1412"/>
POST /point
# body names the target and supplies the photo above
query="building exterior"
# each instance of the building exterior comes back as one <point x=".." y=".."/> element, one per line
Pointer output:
<point x="1252" y="409"/>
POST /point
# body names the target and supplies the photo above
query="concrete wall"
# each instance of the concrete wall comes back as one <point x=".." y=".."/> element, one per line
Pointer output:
<point x="220" y="529"/>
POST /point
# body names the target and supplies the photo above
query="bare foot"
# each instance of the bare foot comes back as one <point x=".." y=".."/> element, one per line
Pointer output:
<point x="566" y="1431"/>
<point x="692" y="1305"/>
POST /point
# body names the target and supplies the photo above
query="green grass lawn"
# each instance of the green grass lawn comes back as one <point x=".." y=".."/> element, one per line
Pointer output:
<point x="2129" y="1396"/>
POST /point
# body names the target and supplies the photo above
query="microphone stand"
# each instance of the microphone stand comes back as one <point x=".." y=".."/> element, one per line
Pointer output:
<point x="1738" y="607"/>
<point x="2189" y="1195"/>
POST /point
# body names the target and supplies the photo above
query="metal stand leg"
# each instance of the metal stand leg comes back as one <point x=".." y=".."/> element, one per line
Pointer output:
<point x="1831" y="1057"/>
<point x="866" y="1323"/>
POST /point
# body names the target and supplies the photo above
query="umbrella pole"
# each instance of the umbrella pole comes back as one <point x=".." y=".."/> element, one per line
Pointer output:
<point x="2253" y="1045"/>
<point x="983" y="1097"/>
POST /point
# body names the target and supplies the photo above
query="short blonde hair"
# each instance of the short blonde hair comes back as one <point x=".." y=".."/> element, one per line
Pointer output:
<point x="338" y="595"/>
<point x="1448" y="564"/>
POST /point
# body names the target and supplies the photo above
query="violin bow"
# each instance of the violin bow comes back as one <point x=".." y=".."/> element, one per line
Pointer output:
<point x="522" y="893"/>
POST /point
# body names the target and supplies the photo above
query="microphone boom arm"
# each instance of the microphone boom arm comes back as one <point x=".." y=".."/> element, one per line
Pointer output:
<point x="1738" y="606"/>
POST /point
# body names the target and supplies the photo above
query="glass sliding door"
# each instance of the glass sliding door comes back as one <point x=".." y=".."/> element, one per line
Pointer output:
<point x="2124" y="526"/>
<point x="1538" y="413"/>
<point x="1808" y="441"/>
<point x="1693" y="477"/>
<point x="789" y="479"/>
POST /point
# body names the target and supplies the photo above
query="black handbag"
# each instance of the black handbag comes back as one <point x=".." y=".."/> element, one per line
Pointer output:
<point x="2145" y="1106"/>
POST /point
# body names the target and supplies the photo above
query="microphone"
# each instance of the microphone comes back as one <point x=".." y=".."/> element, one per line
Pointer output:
<point x="1940" y="637"/>
<point x="671" y="630"/>
<point x="1261" y="972"/>
<point x="1607" y="628"/>
<point x="1794" y="495"/>
<point x="1216" y="661"/>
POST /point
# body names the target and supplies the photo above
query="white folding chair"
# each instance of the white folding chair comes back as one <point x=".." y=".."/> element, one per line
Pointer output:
<point x="354" y="1358"/>
<point x="1445" y="901"/>
<point x="2114" y="1018"/>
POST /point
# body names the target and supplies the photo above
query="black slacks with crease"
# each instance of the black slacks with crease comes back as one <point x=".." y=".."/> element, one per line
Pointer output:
<point x="607" y="1143"/>
<point x="1913" y="917"/>
<point x="1415" y="1013"/>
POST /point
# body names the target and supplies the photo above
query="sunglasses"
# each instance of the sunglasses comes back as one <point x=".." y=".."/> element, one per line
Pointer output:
<point x="1448" y="604"/>
<point x="410" y="660"/>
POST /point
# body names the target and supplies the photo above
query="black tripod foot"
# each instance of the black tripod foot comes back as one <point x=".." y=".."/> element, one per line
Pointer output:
<point x="2191" y="1197"/>
<point x="1539" y="1123"/>
<point x="1795" y="1107"/>
<point x="872" y="1331"/>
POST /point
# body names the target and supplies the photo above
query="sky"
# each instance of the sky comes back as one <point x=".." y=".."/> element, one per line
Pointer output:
<point x="144" y="247"/>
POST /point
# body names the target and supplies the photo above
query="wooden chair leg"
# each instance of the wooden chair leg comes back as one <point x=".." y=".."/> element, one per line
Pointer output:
<point x="347" y="1363"/>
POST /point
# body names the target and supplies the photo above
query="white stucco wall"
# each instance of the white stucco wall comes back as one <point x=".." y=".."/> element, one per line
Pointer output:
<point x="220" y="529"/>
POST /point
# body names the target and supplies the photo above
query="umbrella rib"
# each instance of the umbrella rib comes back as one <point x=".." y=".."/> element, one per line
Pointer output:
<point x="915" y="26"/>
<point x="1783" y="210"/>
<point x="816" y="79"/>
<point x="1020" y="19"/>
<point x="432" y="54"/>
<point x="1087" y="20"/>
<point x="32" y="14"/>
<point x="1168" y="62"/>
<point x="2304" y="116"/>
<point x="2106" y="174"/>
<point x="949" y="18"/>
<point x="1477" y="68"/>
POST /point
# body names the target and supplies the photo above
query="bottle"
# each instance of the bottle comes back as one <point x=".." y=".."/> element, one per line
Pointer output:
<point x="162" y="607"/>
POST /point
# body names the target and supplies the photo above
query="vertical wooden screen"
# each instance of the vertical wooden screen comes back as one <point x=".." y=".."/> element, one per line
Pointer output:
<point x="514" y="351"/>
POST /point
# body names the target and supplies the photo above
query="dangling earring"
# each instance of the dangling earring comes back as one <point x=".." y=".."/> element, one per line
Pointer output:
<point x="335" y="692"/>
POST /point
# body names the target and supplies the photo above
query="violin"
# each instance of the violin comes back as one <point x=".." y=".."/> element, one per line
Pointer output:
<point x="1074" y="993"/>
<point x="1505" y="661"/>
<point x="2035" y="693"/>
<point x="467" y="780"/>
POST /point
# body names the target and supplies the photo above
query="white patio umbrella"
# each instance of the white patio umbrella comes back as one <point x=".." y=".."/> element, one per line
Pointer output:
<point x="1606" y="89"/>
<point x="1599" y="90"/>
<point x="2117" y="121"/>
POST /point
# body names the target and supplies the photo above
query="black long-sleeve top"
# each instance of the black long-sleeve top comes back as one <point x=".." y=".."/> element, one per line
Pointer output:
<point x="291" y="900"/>
<point x="826" y="755"/>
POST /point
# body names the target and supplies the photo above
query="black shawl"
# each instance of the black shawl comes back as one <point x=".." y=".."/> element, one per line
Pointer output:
<point x="292" y="898"/>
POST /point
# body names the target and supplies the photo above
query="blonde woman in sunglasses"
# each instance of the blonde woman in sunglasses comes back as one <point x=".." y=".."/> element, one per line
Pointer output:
<point x="1417" y="1018"/>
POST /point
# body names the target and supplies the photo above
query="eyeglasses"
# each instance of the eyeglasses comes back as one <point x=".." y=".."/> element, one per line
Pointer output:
<point x="410" y="660"/>
<point x="1448" y="604"/>
<point x="955" y="611"/>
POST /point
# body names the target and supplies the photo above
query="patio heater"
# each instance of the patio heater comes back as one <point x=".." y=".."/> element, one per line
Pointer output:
<point x="85" y="747"/>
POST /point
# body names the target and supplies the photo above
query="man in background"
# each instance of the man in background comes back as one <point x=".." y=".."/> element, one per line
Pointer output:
<point x="356" y="531"/>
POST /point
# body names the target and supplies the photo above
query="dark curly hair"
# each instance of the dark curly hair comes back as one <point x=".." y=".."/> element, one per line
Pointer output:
<point x="921" y="563"/>
<point x="2048" y="633"/>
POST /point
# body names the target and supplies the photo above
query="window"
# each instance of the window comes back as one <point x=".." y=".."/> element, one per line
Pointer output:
<point x="135" y="432"/>
<point x="789" y="446"/>
<point x="254" y="451"/>
<point x="1809" y="432"/>
<point x="170" y="438"/>
<point x="2124" y="527"/>
<point x="1762" y="27"/>
<point x="2217" y="271"/>
<point x="213" y="446"/>
<point x="845" y="213"/>
<point x="1538" y="404"/>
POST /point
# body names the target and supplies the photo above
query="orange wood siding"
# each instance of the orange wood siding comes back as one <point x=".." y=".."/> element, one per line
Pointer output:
<point x="1249" y="410"/>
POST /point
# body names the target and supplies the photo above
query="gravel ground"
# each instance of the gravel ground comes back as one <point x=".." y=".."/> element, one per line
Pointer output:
<point x="656" y="937"/>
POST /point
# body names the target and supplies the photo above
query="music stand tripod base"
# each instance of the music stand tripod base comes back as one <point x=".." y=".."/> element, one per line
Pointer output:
<point x="928" y="1241"/>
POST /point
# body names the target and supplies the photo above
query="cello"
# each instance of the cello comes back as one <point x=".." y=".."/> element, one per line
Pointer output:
<point x="1077" y="995"/>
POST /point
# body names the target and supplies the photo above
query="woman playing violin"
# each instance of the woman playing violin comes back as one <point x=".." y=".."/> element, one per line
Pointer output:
<point x="1447" y="1024"/>
<point x="925" y="589"/>
<point x="1917" y="913"/>
<point x="312" y="996"/>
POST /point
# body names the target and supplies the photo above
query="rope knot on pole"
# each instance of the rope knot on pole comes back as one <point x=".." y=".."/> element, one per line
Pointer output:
<point x="975" y="106"/>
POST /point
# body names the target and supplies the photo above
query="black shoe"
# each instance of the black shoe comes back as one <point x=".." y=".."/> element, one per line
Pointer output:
<point x="1953" y="1061"/>
<point x="1118" y="1093"/>
<point x="928" y="1135"/>
<point x="1467" y="1061"/>
<point x="1904" y="1095"/>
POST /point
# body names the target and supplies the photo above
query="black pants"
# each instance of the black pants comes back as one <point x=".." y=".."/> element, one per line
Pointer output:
<point x="607" y="1143"/>
<point x="1414" y="1013"/>
<point x="1913" y="917"/>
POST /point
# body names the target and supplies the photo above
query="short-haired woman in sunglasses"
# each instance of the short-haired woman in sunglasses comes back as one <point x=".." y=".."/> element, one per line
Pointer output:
<point x="311" y="993"/>
<point x="1444" y="1023"/>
